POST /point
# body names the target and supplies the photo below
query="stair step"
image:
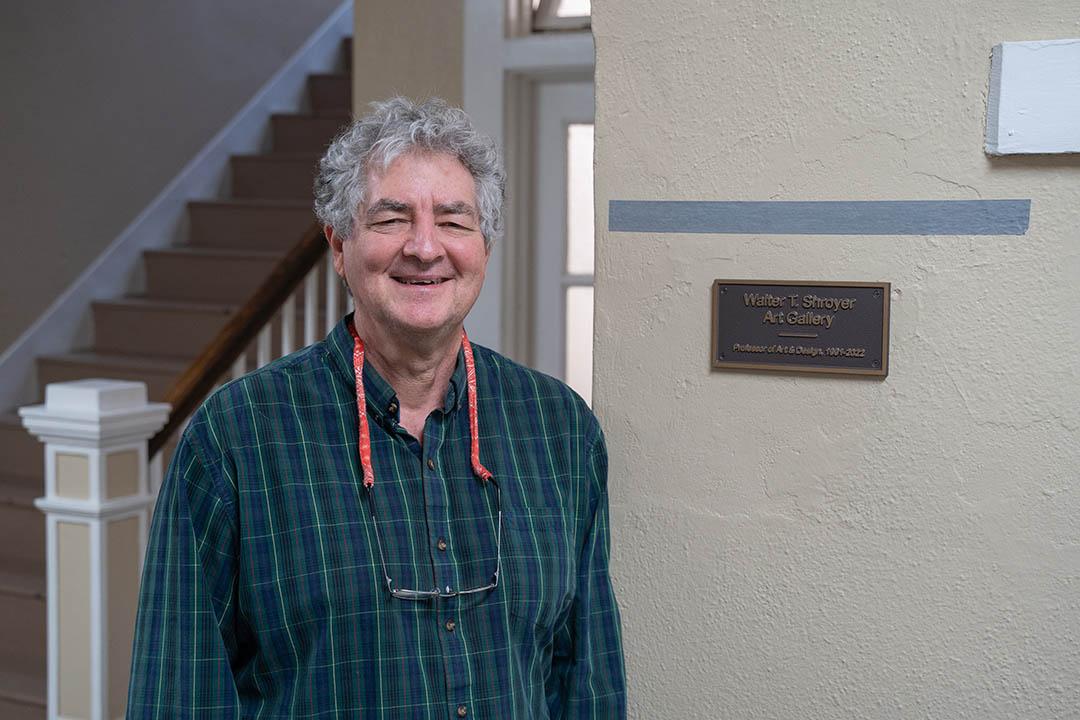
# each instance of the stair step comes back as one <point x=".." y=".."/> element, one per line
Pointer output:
<point x="179" y="329"/>
<point x="23" y="453"/>
<point x="206" y="274"/>
<point x="22" y="532"/>
<point x="28" y="584"/>
<point x="22" y="693"/>
<point x="274" y="175"/>
<point x="173" y="329"/>
<point x="22" y="621"/>
<point x="20" y="490"/>
<point x="305" y="133"/>
<point x="159" y="374"/>
<point x="330" y="94"/>
<point x="256" y="224"/>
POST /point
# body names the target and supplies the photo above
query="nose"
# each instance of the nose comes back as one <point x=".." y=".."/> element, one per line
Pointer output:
<point x="422" y="242"/>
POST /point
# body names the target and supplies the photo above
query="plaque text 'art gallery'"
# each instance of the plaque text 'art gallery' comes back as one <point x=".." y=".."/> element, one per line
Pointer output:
<point x="801" y="326"/>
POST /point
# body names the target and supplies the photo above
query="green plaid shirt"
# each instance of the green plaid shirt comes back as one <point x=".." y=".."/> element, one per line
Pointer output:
<point x="263" y="595"/>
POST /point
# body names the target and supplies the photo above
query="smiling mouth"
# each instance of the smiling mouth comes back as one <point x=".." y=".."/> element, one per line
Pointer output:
<point x="420" y="281"/>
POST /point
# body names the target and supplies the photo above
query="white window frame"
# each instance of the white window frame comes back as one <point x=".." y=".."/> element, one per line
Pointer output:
<point x="503" y="61"/>
<point x="546" y="17"/>
<point x="549" y="259"/>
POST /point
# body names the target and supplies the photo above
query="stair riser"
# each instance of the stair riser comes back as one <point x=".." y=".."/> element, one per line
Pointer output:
<point x="50" y="370"/>
<point x="255" y="228"/>
<point x="22" y="626"/>
<point x="300" y="133"/>
<point x="23" y="453"/>
<point x="262" y="178"/>
<point x="174" y="333"/>
<point x="18" y="711"/>
<point x="330" y="93"/>
<point x="210" y="279"/>
<point x="22" y="537"/>
<point x="125" y="330"/>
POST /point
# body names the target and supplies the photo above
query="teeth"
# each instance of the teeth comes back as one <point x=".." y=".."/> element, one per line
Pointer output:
<point x="420" y="282"/>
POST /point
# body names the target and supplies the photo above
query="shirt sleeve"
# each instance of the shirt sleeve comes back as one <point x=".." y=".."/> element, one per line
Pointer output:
<point x="185" y="632"/>
<point x="587" y="659"/>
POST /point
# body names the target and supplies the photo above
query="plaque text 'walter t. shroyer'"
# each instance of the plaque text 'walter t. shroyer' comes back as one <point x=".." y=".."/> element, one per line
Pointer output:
<point x="801" y="326"/>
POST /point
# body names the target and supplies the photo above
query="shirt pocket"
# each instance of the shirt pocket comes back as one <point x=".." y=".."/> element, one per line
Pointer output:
<point x="539" y="566"/>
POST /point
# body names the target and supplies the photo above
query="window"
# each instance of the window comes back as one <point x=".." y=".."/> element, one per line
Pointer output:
<point x="561" y="15"/>
<point x="562" y="261"/>
<point x="578" y="275"/>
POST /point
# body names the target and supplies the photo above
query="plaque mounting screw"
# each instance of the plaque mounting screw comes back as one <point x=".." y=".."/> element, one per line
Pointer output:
<point x="874" y="364"/>
<point x="723" y="291"/>
<point x="877" y="293"/>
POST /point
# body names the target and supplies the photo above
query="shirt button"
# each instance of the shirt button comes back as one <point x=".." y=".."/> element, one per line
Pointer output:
<point x="450" y="625"/>
<point x="462" y="711"/>
<point x="430" y="464"/>
<point x="441" y="544"/>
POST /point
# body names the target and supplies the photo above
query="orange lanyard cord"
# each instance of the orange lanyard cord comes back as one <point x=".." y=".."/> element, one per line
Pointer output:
<point x="361" y="403"/>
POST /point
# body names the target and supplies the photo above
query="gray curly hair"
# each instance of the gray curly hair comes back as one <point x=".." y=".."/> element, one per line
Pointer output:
<point x="393" y="128"/>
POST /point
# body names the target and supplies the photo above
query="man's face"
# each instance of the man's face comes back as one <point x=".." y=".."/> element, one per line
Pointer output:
<point x="416" y="258"/>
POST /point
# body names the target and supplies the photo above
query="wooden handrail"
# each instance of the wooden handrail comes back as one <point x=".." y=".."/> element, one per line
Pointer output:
<point x="238" y="333"/>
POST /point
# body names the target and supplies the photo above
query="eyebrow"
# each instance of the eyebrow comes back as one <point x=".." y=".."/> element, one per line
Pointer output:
<point x="455" y="208"/>
<point x="387" y="205"/>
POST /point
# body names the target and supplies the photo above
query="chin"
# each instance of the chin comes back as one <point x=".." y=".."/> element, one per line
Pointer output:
<point x="433" y="327"/>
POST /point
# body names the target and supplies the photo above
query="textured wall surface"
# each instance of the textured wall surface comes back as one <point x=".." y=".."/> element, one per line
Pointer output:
<point x="414" y="48"/>
<point x="103" y="103"/>
<point x="803" y="547"/>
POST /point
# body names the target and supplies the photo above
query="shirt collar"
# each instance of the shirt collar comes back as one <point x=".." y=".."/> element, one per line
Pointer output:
<point x="381" y="398"/>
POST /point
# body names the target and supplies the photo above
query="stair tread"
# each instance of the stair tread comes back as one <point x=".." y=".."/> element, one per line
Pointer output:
<point x="281" y="156"/>
<point x="252" y="203"/>
<point x="20" y="490"/>
<point x="23" y="687"/>
<point x="329" y="115"/>
<point x="142" y="302"/>
<point x="24" y="583"/>
<point x="122" y="361"/>
<point x="216" y="252"/>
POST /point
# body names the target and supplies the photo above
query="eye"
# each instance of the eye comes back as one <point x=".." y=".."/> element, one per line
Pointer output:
<point x="389" y="222"/>
<point x="456" y="226"/>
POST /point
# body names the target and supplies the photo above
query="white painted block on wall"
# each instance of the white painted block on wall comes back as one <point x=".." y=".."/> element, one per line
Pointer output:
<point x="1034" y="101"/>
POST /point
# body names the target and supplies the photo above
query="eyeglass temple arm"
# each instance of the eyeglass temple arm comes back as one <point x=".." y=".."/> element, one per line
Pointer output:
<point x="378" y="542"/>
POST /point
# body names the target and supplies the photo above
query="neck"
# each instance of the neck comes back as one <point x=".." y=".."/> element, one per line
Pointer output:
<point x="419" y="370"/>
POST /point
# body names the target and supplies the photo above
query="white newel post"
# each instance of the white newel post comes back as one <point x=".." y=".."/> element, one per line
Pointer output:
<point x="97" y="500"/>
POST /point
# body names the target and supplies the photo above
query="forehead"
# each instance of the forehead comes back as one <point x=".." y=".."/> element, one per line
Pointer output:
<point x="420" y="175"/>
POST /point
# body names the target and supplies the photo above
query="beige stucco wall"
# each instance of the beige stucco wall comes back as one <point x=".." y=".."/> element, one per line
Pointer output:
<point x="803" y="547"/>
<point x="407" y="47"/>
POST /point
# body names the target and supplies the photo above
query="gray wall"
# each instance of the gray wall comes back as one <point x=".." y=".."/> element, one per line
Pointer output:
<point x="103" y="103"/>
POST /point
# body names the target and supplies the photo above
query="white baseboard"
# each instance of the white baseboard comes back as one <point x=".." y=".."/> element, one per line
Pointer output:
<point x="66" y="323"/>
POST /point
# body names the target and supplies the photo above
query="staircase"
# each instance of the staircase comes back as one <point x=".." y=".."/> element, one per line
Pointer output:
<point x="190" y="291"/>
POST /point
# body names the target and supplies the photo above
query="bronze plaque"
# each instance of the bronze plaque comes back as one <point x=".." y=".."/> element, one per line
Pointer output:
<point x="801" y="326"/>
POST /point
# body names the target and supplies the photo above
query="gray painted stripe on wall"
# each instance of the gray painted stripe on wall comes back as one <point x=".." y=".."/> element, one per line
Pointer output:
<point x="829" y="217"/>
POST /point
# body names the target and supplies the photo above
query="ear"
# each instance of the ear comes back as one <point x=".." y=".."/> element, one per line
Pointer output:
<point x="336" y="241"/>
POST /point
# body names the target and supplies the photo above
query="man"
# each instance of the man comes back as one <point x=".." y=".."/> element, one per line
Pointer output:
<point x="392" y="523"/>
